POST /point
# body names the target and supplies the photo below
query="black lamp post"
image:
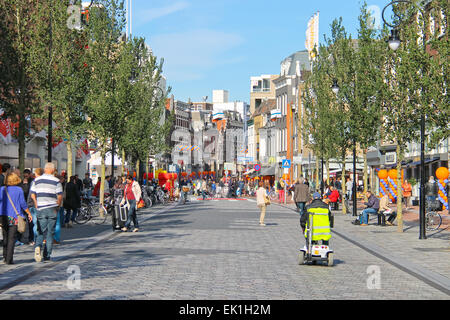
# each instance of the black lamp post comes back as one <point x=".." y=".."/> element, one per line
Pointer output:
<point x="394" y="43"/>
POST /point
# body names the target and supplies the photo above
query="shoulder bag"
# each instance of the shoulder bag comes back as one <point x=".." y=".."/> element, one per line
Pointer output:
<point x="21" y="223"/>
<point x="266" y="200"/>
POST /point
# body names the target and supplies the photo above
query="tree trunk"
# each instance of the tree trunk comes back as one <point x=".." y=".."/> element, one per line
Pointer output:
<point x="147" y="167"/>
<point x="21" y="139"/>
<point x="123" y="162"/>
<point x="317" y="174"/>
<point x="102" y="183"/>
<point x="69" y="159"/>
<point x="399" y="190"/>
<point x="344" y="208"/>
<point x="366" y="172"/>
<point x="328" y="171"/>
<point x="138" y="164"/>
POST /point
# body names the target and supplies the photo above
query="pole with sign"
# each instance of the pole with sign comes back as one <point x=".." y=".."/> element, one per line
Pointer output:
<point x="286" y="164"/>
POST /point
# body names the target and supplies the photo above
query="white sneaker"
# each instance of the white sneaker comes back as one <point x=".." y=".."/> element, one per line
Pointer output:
<point x="37" y="254"/>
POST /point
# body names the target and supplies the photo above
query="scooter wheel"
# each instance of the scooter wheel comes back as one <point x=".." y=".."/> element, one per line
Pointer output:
<point x="330" y="259"/>
<point x="301" y="258"/>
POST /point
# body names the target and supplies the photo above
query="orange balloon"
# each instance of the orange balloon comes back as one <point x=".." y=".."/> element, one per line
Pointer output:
<point x="442" y="173"/>
<point x="383" y="174"/>
<point x="392" y="174"/>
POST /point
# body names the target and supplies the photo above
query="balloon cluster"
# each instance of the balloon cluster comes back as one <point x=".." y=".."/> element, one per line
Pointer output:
<point x="443" y="174"/>
<point x="388" y="185"/>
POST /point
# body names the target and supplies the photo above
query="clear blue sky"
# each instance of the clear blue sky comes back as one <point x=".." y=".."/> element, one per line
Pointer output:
<point x="220" y="44"/>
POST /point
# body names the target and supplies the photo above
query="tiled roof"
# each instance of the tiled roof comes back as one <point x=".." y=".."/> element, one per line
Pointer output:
<point x="265" y="107"/>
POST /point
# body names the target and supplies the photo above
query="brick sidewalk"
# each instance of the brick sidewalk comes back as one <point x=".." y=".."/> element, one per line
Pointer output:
<point x="73" y="240"/>
<point x="432" y="254"/>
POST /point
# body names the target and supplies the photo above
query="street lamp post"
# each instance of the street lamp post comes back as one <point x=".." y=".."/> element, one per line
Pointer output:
<point x="394" y="43"/>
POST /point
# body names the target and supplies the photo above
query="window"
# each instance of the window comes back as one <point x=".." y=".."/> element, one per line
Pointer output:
<point x="266" y="85"/>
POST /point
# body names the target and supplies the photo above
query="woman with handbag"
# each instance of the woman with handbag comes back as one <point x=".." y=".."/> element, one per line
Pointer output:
<point x="262" y="201"/>
<point x="132" y="195"/>
<point x="12" y="219"/>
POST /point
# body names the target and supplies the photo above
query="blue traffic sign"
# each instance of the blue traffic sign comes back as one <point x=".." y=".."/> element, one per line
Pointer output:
<point x="286" y="164"/>
<point x="257" y="167"/>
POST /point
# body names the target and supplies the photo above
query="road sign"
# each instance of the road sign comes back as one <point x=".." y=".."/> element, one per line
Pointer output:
<point x="286" y="163"/>
<point x="257" y="167"/>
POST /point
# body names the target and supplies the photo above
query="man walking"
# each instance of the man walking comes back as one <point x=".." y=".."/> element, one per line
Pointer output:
<point x="47" y="195"/>
<point x="6" y="169"/>
<point x="301" y="196"/>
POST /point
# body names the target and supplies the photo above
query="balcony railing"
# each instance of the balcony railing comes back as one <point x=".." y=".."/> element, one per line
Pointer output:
<point x="256" y="90"/>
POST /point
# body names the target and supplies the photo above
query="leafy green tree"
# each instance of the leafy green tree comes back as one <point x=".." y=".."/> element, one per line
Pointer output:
<point x="415" y="83"/>
<point x="439" y="73"/>
<point x="144" y="134"/>
<point x="59" y="56"/>
<point x="19" y="100"/>
<point x="319" y="119"/>
<point x="111" y="70"/>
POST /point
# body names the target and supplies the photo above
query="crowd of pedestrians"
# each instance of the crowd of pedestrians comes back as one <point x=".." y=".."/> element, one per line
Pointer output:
<point x="35" y="208"/>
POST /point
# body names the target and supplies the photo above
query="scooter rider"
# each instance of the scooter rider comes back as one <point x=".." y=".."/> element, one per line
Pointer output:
<point x="321" y="219"/>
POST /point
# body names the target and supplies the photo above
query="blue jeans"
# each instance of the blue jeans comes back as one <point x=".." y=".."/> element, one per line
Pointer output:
<point x="46" y="223"/>
<point x="364" y="219"/>
<point x="59" y="222"/>
<point x="182" y="196"/>
<point x="70" y="218"/>
<point x="301" y="207"/>
<point x="132" y="215"/>
<point x="33" y="214"/>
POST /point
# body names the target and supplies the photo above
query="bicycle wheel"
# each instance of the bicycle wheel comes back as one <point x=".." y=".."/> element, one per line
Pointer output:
<point x="97" y="216"/>
<point x="148" y="202"/>
<point x="83" y="215"/>
<point x="273" y="196"/>
<point x="433" y="221"/>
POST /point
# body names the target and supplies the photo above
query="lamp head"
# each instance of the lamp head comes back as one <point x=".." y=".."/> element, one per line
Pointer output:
<point x="394" y="40"/>
<point x="335" y="87"/>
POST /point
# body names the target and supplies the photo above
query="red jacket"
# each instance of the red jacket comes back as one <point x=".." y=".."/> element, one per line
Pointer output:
<point x="334" y="196"/>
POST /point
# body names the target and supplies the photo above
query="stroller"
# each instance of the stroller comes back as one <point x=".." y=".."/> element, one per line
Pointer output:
<point x="312" y="251"/>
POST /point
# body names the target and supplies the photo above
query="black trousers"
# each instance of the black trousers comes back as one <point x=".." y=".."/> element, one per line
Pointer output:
<point x="25" y="237"/>
<point x="9" y="241"/>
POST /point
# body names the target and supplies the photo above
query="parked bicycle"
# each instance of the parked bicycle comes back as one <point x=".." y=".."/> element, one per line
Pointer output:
<point x="433" y="220"/>
<point x="92" y="210"/>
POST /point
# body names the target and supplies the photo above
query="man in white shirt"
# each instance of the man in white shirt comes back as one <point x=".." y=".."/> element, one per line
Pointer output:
<point x="349" y="187"/>
<point x="47" y="196"/>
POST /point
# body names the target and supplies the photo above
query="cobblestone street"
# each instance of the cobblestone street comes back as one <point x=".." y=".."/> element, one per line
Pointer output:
<point x="217" y="250"/>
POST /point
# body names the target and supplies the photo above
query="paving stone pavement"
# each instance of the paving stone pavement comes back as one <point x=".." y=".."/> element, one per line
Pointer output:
<point x="208" y="250"/>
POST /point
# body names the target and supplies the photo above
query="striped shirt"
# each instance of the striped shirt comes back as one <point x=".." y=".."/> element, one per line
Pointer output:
<point x="46" y="188"/>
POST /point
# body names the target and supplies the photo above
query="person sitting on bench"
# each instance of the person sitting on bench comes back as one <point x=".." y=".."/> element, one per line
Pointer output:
<point x="372" y="206"/>
<point x="385" y="210"/>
